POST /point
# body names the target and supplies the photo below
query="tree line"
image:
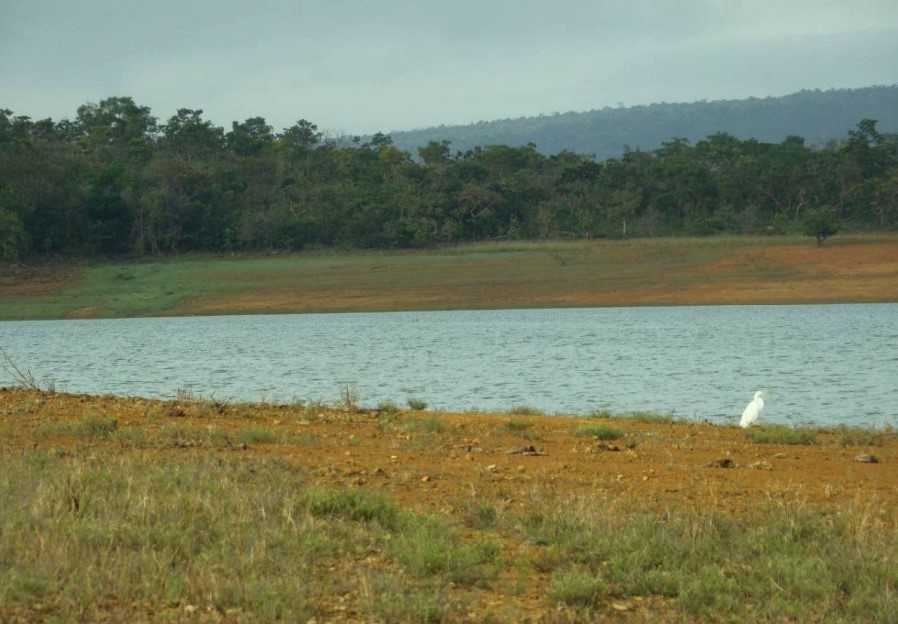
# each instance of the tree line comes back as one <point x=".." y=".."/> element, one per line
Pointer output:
<point x="114" y="180"/>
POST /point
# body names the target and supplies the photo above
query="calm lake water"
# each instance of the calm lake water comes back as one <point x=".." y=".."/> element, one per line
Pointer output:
<point x="823" y="364"/>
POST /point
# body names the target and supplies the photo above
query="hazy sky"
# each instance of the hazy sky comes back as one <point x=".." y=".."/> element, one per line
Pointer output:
<point x="361" y="66"/>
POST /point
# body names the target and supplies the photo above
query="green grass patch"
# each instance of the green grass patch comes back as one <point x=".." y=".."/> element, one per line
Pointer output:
<point x="859" y="436"/>
<point x="646" y="416"/>
<point x="576" y="588"/>
<point x="90" y="427"/>
<point x="426" y="547"/>
<point x="780" y="434"/>
<point x="602" y="432"/>
<point x="781" y="564"/>
<point x="427" y="424"/>
<point x="257" y="435"/>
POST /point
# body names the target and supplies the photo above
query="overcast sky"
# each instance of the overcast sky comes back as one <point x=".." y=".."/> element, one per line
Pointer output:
<point x="355" y="66"/>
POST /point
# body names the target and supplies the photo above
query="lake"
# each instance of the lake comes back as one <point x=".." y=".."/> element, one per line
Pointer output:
<point x="820" y="364"/>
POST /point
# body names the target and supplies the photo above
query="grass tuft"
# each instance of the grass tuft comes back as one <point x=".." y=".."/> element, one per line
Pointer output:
<point x="257" y="435"/>
<point x="602" y="432"/>
<point x="576" y="588"/>
<point x="780" y="434"/>
<point x="416" y="404"/>
<point x="358" y="505"/>
<point x="859" y="436"/>
<point x="388" y="407"/>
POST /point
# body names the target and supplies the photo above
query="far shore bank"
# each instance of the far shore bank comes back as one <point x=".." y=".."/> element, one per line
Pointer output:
<point x="507" y="275"/>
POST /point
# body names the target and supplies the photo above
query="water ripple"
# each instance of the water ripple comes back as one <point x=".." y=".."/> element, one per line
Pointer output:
<point x="827" y="364"/>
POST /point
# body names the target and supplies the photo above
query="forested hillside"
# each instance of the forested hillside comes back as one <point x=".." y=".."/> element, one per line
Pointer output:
<point x="113" y="180"/>
<point x="818" y="116"/>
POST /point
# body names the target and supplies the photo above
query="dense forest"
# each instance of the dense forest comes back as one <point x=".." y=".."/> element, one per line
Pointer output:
<point x="114" y="180"/>
<point x="818" y="116"/>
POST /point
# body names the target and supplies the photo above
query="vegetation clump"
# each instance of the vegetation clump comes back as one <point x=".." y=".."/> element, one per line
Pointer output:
<point x="780" y="434"/>
<point x="599" y="431"/>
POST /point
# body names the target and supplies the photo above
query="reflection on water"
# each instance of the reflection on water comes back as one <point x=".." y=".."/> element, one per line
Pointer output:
<point x="822" y="364"/>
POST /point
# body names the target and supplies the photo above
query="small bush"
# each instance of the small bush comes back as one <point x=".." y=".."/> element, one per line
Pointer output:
<point x="779" y="434"/>
<point x="602" y="432"/>
<point x="417" y="404"/>
<point x="526" y="410"/>
<point x="576" y="588"/>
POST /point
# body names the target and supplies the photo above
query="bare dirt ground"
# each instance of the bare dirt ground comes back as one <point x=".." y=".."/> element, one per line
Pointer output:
<point x="425" y="465"/>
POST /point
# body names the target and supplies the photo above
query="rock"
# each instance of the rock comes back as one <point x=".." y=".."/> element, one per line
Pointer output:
<point x="607" y="446"/>
<point x="866" y="458"/>
<point x="175" y="411"/>
<point x="760" y="465"/>
<point x="425" y="479"/>
<point x="726" y="462"/>
<point x="526" y="450"/>
<point x="492" y="468"/>
<point x="620" y="606"/>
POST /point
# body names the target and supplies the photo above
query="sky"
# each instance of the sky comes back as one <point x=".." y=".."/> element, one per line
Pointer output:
<point x="356" y="67"/>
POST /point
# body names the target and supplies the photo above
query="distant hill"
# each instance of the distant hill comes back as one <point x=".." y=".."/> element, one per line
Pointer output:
<point x="818" y="116"/>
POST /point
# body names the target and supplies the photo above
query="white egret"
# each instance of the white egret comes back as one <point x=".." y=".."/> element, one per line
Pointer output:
<point x="752" y="410"/>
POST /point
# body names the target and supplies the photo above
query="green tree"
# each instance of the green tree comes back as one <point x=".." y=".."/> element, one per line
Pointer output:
<point x="821" y="224"/>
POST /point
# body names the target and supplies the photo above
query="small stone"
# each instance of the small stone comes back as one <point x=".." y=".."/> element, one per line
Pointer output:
<point x="760" y="465"/>
<point x="492" y="467"/>
<point x="620" y="606"/>
<point x="425" y="479"/>
<point x="865" y="458"/>
<point x="726" y="462"/>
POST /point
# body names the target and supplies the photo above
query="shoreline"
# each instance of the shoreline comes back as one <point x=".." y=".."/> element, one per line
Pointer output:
<point x="496" y="276"/>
